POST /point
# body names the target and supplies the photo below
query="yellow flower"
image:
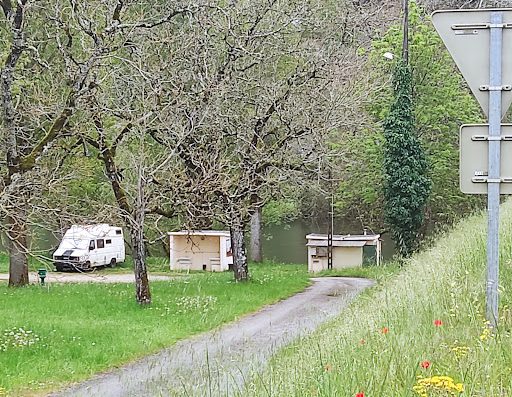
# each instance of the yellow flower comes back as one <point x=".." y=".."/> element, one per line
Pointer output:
<point x="459" y="350"/>
<point x="437" y="384"/>
<point x="486" y="331"/>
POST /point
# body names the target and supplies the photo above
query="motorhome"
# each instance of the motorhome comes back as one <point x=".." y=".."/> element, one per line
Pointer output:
<point x="84" y="247"/>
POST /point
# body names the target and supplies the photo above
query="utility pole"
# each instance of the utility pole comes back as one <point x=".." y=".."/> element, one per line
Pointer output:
<point x="405" y="43"/>
<point x="331" y="222"/>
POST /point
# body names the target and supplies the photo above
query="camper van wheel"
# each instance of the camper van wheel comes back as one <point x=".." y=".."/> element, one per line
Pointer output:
<point x="112" y="262"/>
<point x="87" y="266"/>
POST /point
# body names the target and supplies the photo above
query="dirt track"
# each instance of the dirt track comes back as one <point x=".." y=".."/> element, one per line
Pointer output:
<point x="217" y="362"/>
<point x="92" y="277"/>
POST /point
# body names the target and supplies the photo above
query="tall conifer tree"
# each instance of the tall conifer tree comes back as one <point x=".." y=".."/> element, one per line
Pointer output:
<point x="407" y="185"/>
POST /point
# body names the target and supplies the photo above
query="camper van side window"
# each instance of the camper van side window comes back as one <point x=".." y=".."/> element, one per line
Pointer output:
<point x="118" y="232"/>
<point x="100" y="243"/>
<point x="91" y="245"/>
<point x="108" y="241"/>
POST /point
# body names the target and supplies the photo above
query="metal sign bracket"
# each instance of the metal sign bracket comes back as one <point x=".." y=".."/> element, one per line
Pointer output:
<point x="506" y="87"/>
<point x="484" y="179"/>
<point x="491" y="138"/>
<point x="473" y="26"/>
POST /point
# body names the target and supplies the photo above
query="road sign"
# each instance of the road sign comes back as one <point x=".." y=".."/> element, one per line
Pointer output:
<point x="480" y="43"/>
<point x="474" y="159"/>
<point x="466" y="34"/>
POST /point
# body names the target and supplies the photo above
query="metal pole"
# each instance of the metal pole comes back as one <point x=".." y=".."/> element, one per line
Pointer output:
<point x="405" y="42"/>
<point x="493" y="185"/>
<point x="331" y="224"/>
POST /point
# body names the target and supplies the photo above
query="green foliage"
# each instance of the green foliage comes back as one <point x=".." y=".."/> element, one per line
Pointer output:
<point x="406" y="185"/>
<point x="442" y="102"/>
<point x="277" y="212"/>
<point x="359" y="193"/>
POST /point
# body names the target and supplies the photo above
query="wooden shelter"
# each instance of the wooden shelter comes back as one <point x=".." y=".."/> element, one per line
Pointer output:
<point x="208" y="250"/>
<point x="345" y="250"/>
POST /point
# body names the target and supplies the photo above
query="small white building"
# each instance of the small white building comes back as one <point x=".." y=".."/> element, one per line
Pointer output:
<point x="208" y="250"/>
<point x="347" y="250"/>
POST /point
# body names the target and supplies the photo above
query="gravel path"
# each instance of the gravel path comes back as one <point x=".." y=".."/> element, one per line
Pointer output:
<point x="217" y="362"/>
<point x="93" y="277"/>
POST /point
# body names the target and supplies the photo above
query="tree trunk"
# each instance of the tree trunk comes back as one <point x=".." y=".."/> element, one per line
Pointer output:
<point x="17" y="247"/>
<point x="142" y="291"/>
<point x="134" y="219"/>
<point x="240" y="267"/>
<point x="143" y="294"/>
<point x="256" y="254"/>
<point x="19" y="162"/>
<point x="15" y="222"/>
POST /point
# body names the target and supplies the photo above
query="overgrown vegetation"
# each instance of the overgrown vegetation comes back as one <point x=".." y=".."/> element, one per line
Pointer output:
<point x="406" y="182"/>
<point x="66" y="332"/>
<point x="405" y="337"/>
<point x="442" y="102"/>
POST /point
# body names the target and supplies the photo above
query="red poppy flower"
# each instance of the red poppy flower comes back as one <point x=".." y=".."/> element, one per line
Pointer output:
<point x="362" y="342"/>
<point x="327" y="367"/>
<point x="361" y="394"/>
<point x="425" y="364"/>
<point x="384" y="330"/>
<point x="438" y="323"/>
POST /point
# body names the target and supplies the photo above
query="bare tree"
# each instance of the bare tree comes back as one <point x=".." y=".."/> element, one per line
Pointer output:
<point x="257" y="87"/>
<point x="125" y="113"/>
<point x="38" y="104"/>
<point x="431" y="5"/>
<point x="61" y="56"/>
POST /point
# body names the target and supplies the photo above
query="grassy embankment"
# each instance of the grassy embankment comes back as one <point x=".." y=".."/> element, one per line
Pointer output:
<point x="427" y="321"/>
<point x="66" y="332"/>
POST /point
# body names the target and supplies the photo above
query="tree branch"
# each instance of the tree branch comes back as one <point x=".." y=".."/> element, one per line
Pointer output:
<point x="6" y="7"/>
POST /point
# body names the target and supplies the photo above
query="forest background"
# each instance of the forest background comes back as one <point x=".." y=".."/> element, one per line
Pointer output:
<point x="194" y="114"/>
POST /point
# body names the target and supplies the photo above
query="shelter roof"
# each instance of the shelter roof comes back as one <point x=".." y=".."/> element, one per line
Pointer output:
<point x="220" y="233"/>
<point x="342" y="240"/>
<point x="337" y="243"/>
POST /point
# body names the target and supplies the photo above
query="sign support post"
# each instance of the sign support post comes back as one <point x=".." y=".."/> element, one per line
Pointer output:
<point x="475" y="39"/>
<point x="494" y="179"/>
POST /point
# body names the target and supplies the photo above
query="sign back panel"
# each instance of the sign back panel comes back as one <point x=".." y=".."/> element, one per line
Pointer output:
<point x="474" y="158"/>
<point x="466" y="34"/>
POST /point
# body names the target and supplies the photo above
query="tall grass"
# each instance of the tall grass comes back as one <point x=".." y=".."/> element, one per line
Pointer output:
<point x="381" y="345"/>
<point x="60" y="333"/>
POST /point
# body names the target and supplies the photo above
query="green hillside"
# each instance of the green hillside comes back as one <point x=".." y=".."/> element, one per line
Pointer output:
<point x="425" y="323"/>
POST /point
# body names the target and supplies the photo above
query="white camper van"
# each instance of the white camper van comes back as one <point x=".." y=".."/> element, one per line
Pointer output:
<point x="84" y="247"/>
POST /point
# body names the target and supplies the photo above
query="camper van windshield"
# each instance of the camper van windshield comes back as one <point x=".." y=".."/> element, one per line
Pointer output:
<point x="69" y="243"/>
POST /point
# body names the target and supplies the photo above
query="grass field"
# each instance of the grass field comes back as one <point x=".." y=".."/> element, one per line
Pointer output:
<point x="66" y="332"/>
<point x="421" y="333"/>
<point x="377" y="273"/>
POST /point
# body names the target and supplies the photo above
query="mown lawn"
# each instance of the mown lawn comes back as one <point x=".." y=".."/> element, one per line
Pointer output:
<point x="60" y="333"/>
<point x="421" y="333"/>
